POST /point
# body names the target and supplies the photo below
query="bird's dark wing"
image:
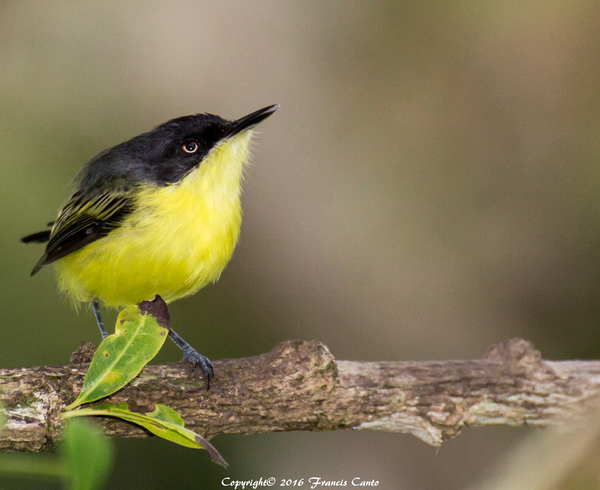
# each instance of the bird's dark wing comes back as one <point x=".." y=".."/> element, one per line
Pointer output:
<point x="82" y="220"/>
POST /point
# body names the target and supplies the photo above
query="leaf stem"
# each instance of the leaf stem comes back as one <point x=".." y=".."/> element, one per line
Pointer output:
<point x="34" y="466"/>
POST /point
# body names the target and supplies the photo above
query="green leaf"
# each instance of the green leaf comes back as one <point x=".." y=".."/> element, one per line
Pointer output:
<point x="84" y="462"/>
<point x="139" y="334"/>
<point x="87" y="456"/>
<point x="161" y="421"/>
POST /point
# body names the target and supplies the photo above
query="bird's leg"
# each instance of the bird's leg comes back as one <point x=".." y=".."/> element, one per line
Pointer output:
<point x="191" y="355"/>
<point x="96" y="309"/>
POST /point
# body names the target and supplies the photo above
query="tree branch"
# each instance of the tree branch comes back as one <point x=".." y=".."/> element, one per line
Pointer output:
<point x="300" y="386"/>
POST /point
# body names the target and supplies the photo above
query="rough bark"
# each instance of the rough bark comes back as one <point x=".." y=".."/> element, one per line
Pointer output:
<point x="300" y="386"/>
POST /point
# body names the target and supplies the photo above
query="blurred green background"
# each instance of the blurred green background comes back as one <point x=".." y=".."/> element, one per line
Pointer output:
<point x="430" y="186"/>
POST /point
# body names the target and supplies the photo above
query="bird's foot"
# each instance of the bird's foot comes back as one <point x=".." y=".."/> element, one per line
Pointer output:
<point x="198" y="360"/>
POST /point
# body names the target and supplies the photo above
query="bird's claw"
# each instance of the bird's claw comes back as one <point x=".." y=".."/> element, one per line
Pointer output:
<point x="198" y="360"/>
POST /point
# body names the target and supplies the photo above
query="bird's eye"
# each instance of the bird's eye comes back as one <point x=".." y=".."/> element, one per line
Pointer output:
<point x="190" y="146"/>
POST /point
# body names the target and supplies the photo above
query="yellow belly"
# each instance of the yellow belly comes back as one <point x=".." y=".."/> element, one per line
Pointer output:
<point x="178" y="239"/>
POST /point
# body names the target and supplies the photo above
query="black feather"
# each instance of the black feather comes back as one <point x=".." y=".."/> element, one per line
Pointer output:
<point x="155" y="157"/>
<point x="39" y="237"/>
<point x="82" y="222"/>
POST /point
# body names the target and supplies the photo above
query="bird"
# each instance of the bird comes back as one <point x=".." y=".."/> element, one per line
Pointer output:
<point x="159" y="214"/>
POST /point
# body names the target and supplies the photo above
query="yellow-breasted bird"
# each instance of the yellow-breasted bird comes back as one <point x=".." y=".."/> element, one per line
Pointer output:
<point x="158" y="214"/>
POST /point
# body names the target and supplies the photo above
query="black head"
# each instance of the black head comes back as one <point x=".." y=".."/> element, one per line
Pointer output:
<point x="167" y="153"/>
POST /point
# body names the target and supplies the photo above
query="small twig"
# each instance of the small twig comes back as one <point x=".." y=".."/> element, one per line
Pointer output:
<point x="300" y="386"/>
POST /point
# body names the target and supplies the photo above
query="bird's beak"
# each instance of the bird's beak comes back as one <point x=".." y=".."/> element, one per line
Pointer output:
<point x="251" y="120"/>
